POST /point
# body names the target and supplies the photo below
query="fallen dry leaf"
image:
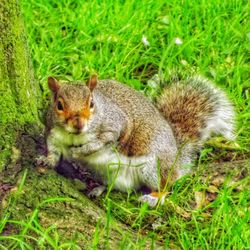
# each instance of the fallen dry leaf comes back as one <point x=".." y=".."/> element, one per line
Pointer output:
<point x="178" y="209"/>
<point x="41" y="170"/>
<point x="218" y="181"/>
<point x="212" y="189"/>
<point x="200" y="199"/>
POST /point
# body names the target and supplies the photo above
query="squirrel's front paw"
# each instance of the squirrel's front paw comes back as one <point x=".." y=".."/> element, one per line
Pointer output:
<point x="82" y="150"/>
<point x="76" y="152"/>
<point x="46" y="161"/>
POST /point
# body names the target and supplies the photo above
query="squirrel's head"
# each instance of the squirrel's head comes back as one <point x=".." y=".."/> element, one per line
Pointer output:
<point x="73" y="104"/>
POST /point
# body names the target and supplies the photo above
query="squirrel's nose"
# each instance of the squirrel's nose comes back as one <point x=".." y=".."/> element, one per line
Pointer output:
<point x="78" y="124"/>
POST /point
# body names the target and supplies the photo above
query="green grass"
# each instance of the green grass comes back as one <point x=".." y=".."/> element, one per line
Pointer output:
<point x="73" y="39"/>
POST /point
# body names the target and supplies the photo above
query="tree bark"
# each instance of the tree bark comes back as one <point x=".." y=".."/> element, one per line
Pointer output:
<point x="76" y="218"/>
<point x="19" y="92"/>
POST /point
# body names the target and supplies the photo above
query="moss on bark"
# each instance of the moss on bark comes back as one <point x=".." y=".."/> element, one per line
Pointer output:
<point x="19" y="92"/>
<point x="76" y="219"/>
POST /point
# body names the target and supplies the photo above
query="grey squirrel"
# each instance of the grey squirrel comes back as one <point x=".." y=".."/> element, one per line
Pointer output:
<point x="128" y="141"/>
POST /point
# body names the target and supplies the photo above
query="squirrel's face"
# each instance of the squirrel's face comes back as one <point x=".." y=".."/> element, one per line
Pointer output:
<point x="73" y="104"/>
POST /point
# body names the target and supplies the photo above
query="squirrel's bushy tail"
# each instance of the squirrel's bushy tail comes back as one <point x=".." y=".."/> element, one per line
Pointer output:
<point x="196" y="109"/>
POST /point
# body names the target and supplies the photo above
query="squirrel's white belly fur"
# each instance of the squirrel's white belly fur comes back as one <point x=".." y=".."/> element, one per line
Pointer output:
<point x="113" y="168"/>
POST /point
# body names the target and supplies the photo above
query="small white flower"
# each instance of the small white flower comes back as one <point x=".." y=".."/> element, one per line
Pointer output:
<point x="165" y="20"/>
<point x="145" y="41"/>
<point x="154" y="82"/>
<point x="178" y="41"/>
<point x="184" y="62"/>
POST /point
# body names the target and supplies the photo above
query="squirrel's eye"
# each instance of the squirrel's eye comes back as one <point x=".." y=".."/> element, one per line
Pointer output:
<point x="91" y="104"/>
<point x="59" y="106"/>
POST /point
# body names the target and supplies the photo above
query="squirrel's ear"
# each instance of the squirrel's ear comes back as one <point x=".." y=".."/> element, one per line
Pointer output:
<point x="92" y="82"/>
<point x="53" y="84"/>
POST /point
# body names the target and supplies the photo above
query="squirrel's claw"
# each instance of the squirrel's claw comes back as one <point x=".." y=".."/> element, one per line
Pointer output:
<point x="76" y="152"/>
<point x="45" y="161"/>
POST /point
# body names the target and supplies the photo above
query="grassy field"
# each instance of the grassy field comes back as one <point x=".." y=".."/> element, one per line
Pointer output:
<point x="131" y="41"/>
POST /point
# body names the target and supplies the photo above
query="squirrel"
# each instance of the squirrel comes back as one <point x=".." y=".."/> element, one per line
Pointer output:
<point x="125" y="139"/>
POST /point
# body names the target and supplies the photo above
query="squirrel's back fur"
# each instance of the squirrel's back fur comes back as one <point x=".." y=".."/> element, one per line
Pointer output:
<point x="196" y="109"/>
<point x="140" y="114"/>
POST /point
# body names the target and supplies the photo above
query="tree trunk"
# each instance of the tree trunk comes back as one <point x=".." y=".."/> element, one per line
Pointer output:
<point x="19" y="92"/>
<point x="77" y="218"/>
